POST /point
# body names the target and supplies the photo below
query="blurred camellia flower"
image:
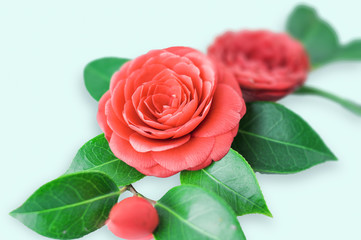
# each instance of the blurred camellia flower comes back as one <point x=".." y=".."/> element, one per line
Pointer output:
<point x="267" y="65"/>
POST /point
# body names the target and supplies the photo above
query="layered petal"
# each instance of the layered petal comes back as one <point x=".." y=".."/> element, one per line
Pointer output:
<point x="222" y="145"/>
<point x="144" y="144"/>
<point x="204" y="164"/>
<point x="224" y="114"/>
<point x="157" y="171"/>
<point x="117" y="124"/>
<point x="125" y="152"/>
<point x="102" y="118"/>
<point x="193" y="153"/>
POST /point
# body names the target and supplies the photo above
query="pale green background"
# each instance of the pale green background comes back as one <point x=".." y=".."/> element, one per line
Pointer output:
<point x="47" y="114"/>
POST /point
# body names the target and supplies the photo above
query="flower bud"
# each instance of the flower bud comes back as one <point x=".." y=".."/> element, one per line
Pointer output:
<point x="133" y="218"/>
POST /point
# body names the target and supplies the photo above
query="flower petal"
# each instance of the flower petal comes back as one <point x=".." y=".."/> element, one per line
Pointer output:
<point x="221" y="146"/>
<point x="116" y="124"/>
<point x="225" y="76"/>
<point x="125" y="152"/>
<point x="202" y="165"/>
<point x="117" y="99"/>
<point x="102" y="118"/>
<point x="190" y="154"/>
<point x="180" y="51"/>
<point x="144" y="144"/>
<point x="119" y="76"/>
<point x="135" y="123"/>
<point x="224" y="115"/>
<point x="157" y="171"/>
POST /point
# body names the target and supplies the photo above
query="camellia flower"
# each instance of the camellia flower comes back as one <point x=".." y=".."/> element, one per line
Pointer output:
<point x="171" y="110"/>
<point x="267" y="65"/>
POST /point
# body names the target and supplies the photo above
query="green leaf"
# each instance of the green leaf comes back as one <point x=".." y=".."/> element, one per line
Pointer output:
<point x="233" y="180"/>
<point x="351" y="106"/>
<point x="318" y="37"/>
<point x="190" y="212"/>
<point x="301" y="21"/>
<point x="69" y="207"/>
<point x="351" y="51"/>
<point x="96" y="155"/>
<point x="275" y="140"/>
<point x="97" y="74"/>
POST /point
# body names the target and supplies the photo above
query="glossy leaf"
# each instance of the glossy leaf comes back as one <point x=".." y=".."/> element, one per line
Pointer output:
<point x="351" y="106"/>
<point x="191" y="213"/>
<point x="69" y="207"/>
<point x="232" y="179"/>
<point x="275" y="140"/>
<point x="97" y="75"/>
<point x="317" y="36"/>
<point x="96" y="155"/>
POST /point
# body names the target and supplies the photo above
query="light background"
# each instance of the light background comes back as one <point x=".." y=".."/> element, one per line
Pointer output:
<point x="47" y="114"/>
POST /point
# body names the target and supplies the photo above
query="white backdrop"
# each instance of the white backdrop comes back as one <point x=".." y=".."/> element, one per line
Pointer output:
<point x="47" y="114"/>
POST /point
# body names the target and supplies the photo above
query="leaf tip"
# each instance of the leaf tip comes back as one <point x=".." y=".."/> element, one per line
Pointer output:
<point x="332" y="157"/>
<point x="265" y="211"/>
<point x="305" y="6"/>
<point x="268" y="213"/>
<point x="13" y="213"/>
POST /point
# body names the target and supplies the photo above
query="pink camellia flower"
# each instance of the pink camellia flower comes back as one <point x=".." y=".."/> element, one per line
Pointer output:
<point x="171" y="110"/>
<point x="267" y="65"/>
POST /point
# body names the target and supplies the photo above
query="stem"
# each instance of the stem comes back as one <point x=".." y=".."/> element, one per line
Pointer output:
<point x="353" y="107"/>
<point x="123" y="189"/>
<point x="131" y="189"/>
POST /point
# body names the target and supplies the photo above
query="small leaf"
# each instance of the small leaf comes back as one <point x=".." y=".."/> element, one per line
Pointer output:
<point x="69" y="207"/>
<point x="97" y="75"/>
<point x="301" y="21"/>
<point x="96" y="155"/>
<point x="318" y="37"/>
<point x="351" y="51"/>
<point x="233" y="180"/>
<point x="321" y="43"/>
<point x="189" y="212"/>
<point x="275" y="140"/>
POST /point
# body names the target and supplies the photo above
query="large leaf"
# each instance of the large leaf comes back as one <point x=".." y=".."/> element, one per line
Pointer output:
<point x="97" y="74"/>
<point x="275" y="140"/>
<point x="318" y="36"/>
<point x="191" y="213"/>
<point x="232" y="179"/>
<point x="96" y="155"/>
<point x="70" y="206"/>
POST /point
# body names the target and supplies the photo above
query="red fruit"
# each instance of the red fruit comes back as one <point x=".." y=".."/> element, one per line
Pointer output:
<point x="133" y="218"/>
